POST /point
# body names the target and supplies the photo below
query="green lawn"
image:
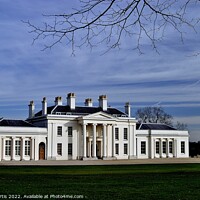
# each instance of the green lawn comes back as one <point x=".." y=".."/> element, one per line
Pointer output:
<point x="175" y="181"/>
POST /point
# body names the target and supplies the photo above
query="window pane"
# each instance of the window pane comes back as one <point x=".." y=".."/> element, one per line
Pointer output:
<point x="157" y="147"/>
<point x="126" y="149"/>
<point x="182" y="147"/>
<point x="17" y="147"/>
<point x="59" y="130"/>
<point x="70" y="149"/>
<point x="164" y="147"/>
<point x="125" y="133"/>
<point x="59" y="149"/>
<point x="70" y="131"/>
<point x="143" y="147"/>
<point x="27" y="148"/>
<point x="117" y="149"/>
<point x="8" y="148"/>
<point x="117" y="133"/>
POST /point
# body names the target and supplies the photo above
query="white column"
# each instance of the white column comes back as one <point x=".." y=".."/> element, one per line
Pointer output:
<point x="94" y="141"/>
<point x="161" y="150"/>
<point x="13" y="148"/>
<point x="130" y="141"/>
<point x="32" y="148"/>
<point x="113" y="140"/>
<point x="134" y="142"/>
<point x="84" y="140"/>
<point x="152" y="147"/>
<point x="22" y="148"/>
<point x="175" y="148"/>
<point x="3" y="148"/>
<point x="167" y="148"/>
<point x="104" y="140"/>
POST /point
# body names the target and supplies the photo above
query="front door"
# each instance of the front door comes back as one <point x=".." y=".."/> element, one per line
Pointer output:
<point x="41" y="151"/>
<point x="99" y="155"/>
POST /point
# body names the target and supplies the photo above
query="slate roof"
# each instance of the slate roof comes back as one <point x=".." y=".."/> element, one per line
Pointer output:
<point x="153" y="126"/>
<point x="15" y="123"/>
<point x="80" y="110"/>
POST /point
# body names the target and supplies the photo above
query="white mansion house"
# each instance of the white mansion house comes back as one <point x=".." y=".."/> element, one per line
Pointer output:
<point x="65" y="131"/>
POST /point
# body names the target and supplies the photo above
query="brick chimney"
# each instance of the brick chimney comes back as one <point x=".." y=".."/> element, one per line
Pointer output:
<point x="103" y="102"/>
<point x="58" y="101"/>
<point x="71" y="100"/>
<point x="88" y="102"/>
<point x="31" y="109"/>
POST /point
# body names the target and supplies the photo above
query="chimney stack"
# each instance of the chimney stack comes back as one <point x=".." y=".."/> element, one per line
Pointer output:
<point x="31" y="109"/>
<point x="71" y="100"/>
<point x="44" y="106"/>
<point x="58" y="101"/>
<point x="103" y="102"/>
<point x="128" y="109"/>
<point x="88" y="102"/>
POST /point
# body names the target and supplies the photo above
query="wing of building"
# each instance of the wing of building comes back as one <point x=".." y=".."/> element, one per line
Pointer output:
<point x="66" y="131"/>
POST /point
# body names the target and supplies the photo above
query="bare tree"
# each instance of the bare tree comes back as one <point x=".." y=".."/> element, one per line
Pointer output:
<point x="180" y="126"/>
<point x="109" y="21"/>
<point x="154" y="115"/>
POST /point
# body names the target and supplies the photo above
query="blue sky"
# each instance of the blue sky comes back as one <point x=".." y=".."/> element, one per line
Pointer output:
<point x="170" y="79"/>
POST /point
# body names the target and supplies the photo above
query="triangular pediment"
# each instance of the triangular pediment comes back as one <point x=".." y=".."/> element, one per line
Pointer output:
<point x="100" y="116"/>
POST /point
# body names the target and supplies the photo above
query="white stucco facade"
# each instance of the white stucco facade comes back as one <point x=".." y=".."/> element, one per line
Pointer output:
<point x="70" y="132"/>
<point x="163" y="143"/>
<point x="21" y="143"/>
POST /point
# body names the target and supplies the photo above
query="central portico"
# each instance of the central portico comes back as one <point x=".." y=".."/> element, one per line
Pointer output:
<point x="100" y="133"/>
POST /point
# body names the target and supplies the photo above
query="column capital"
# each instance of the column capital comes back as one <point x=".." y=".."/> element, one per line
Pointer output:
<point x="94" y="124"/>
<point x="104" y="124"/>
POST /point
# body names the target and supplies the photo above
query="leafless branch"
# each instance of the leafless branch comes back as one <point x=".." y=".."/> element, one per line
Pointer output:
<point x="110" y="21"/>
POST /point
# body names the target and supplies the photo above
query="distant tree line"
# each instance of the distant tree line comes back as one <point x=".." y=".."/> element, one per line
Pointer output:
<point x="194" y="149"/>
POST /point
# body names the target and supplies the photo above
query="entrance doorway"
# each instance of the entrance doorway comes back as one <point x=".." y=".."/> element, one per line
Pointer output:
<point x="99" y="155"/>
<point x="42" y="151"/>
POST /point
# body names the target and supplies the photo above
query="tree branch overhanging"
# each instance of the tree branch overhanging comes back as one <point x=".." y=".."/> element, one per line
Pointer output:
<point x="109" y="21"/>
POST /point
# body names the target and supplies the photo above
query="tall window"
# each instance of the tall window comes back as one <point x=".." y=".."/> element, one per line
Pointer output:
<point x="8" y="148"/>
<point x="17" y="147"/>
<point x="69" y="131"/>
<point x="27" y="148"/>
<point x="170" y="147"/>
<point x="117" y="149"/>
<point x="143" y="147"/>
<point x="70" y="149"/>
<point x="59" y="149"/>
<point x="125" y="149"/>
<point x="182" y="147"/>
<point x="59" y="130"/>
<point x="116" y="133"/>
<point x="157" y="147"/>
<point x="125" y="134"/>
<point x="164" y="146"/>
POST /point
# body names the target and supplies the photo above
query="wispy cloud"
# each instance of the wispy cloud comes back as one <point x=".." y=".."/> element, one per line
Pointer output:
<point x="170" y="79"/>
